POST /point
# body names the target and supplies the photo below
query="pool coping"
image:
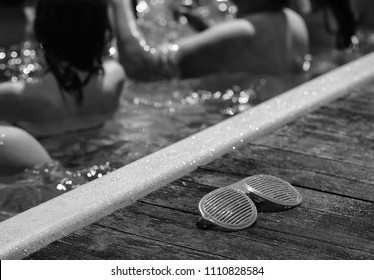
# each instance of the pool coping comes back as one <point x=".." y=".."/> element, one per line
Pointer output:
<point x="37" y="227"/>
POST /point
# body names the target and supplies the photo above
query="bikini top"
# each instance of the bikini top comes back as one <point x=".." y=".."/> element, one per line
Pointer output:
<point x="23" y="61"/>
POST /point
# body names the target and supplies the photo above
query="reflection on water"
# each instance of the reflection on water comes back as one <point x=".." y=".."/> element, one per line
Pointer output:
<point x="151" y="115"/>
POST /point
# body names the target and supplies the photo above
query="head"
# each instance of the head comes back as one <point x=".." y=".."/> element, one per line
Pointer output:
<point x="74" y="35"/>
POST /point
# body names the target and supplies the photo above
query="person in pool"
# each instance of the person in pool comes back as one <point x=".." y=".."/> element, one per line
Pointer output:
<point x="266" y="38"/>
<point x="19" y="151"/>
<point x="331" y="23"/>
<point x="78" y="88"/>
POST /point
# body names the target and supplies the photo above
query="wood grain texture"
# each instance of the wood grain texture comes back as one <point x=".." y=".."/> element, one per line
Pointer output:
<point x="307" y="171"/>
<point x="97" y="242"/>
<point x="327" y="155"/>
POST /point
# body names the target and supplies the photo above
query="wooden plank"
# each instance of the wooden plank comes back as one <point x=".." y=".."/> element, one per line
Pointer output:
<point x="255" y="243"/>
<point x="358" y="100"/>
<point x="341" y="123"/>
<point x="300" y="233"/>
<point x="318" y="229"/>
<point x="336" y="216"/>
<point x="329" y="217"/>
<point x="357" y="151"/>
<point x="299" y="169"/>
<point x="97" y="242"/>
<point x="361" y="103"/>
<point x="202" y="179"/>
<point x="59" y="250"/>
<point x="341" y="130"/>
<point x="353" y="106"/>
<point x="261" y="157"/>
<point x="327" y="155"/>
<point x="363" y="93"/>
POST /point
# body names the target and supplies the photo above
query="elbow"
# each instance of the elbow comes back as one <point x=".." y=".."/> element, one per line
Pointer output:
<point x="143" y="69"/>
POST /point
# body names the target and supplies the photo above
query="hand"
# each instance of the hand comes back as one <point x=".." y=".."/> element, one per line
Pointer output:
<point x="179" y="9"/>
<point x="193" y="17"/>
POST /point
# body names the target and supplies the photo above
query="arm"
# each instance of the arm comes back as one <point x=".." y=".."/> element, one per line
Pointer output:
<point x="219" y="48"/>
<point x="194" y="19"/>
<point x="206" y="52"/>
<point x="138" y="59"/>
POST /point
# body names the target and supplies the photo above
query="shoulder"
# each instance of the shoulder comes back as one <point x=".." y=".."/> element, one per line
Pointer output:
<point x="18" y="144"/>
<point x="297" y="28"/>
<point x="112" y="84"/>
<point x="114" y="69"/>
<point x="299" y="38"/>
<point x="114" y="75"/>
<point x="296" y="23"/>
<point x="294" y="19"/>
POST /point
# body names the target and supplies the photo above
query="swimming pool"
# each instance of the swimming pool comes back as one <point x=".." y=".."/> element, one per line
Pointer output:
<point x="152" y="116"/>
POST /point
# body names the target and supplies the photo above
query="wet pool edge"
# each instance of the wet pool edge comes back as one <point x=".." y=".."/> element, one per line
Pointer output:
<point x="31" y="230"/>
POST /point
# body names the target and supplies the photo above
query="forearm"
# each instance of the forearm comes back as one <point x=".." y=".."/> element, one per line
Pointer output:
<point x="128" y="36"/>
<point x="139" y="60"/>
<point x="196" y="21"/>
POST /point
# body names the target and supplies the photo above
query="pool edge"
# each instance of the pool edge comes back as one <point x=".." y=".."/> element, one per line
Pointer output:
<point x="31" y="230"/>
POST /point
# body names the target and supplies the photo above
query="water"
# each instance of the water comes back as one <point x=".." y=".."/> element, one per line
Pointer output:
<point x="151" y="115"/>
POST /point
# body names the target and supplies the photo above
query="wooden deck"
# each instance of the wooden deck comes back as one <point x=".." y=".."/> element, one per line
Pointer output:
<point x="328" y="155"/>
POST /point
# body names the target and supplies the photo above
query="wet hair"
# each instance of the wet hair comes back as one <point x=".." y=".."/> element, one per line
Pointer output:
<point x="11" y="3"/>
<point x="74" y="35"/>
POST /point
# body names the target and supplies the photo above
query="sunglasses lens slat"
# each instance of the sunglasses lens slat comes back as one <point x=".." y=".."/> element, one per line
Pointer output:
<point x="228" y="208"/>
<point x="272" y="191"/>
